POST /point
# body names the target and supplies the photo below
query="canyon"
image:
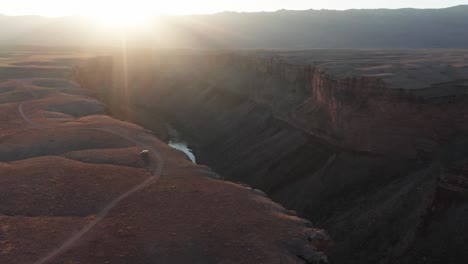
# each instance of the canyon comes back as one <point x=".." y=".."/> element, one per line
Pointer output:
<point x="370" y="145"/>
<point x="80" y="186"/>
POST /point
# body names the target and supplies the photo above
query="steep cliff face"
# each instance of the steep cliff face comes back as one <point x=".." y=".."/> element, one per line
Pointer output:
<point x="355" y="113"/>
<point x="352" y="154"/>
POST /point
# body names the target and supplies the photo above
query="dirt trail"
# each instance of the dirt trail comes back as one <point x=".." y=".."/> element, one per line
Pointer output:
<point x="158" y="164"/>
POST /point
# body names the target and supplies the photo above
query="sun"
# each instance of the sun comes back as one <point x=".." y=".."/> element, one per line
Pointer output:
<point x="134" y="14"/>
<point x="122" y="16"/>
<point x="121" y="21"/>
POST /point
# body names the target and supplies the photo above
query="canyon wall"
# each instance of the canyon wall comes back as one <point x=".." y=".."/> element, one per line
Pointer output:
<point x="355" y="156"/>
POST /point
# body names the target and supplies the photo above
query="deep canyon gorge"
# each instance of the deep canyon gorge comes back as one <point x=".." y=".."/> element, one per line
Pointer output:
<point x="102" y="190"/>
<point x="369" y="145"/>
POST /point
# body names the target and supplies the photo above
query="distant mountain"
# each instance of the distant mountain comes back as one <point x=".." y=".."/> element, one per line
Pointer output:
<point x="366" y="28"/>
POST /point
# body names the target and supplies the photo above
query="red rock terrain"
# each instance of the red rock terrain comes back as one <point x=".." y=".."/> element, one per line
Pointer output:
<point x="74" y="189"/>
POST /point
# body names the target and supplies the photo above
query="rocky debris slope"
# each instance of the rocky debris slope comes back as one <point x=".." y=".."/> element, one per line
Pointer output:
<point x="60" y="166"/>
<point x="363" y="143"/>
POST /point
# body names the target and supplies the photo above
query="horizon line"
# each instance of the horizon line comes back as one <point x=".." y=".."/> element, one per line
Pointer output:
<point x="240" y="12"/>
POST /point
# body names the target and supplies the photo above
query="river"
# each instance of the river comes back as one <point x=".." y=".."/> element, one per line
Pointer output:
<point x="183" y="146"/>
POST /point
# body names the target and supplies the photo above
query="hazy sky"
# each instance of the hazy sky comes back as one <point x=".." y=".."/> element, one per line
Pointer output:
<point x="99" y="7"/>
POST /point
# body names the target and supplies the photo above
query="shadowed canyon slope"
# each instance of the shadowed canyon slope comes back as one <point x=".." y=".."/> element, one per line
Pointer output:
<point x="74" y="188"/>
<point x="379" y="28"/>
<point x="370" y="145"/>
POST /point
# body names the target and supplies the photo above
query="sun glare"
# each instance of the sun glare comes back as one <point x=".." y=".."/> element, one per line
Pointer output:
<point x="123" y="15"/>
<point x="121" y="21"/>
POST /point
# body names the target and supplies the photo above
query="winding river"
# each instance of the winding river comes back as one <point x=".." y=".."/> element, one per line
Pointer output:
<point x="183" y="146"/>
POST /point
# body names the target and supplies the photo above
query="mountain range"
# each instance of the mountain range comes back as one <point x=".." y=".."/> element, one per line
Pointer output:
<point x="283" y="29"/>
